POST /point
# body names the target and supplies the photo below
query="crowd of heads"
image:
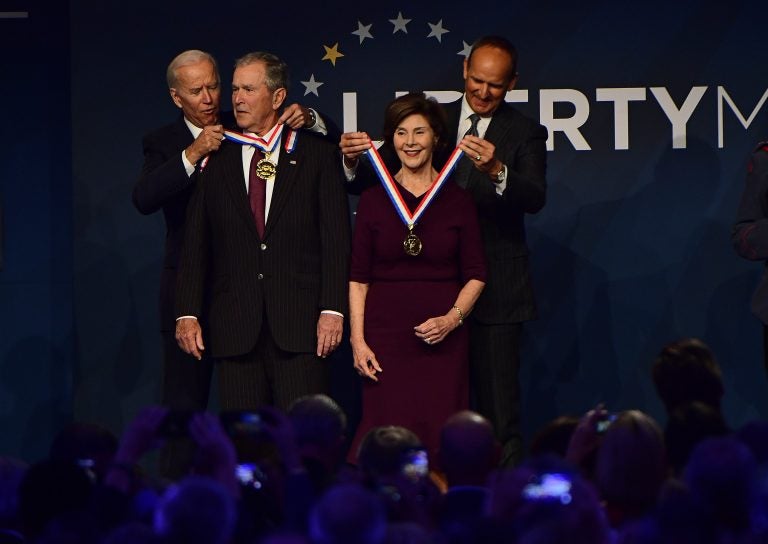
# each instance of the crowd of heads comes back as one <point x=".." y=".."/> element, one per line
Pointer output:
<point x="282" y="478"/>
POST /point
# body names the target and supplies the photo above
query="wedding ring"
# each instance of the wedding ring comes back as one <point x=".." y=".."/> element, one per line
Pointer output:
<point x="477" y="157"/>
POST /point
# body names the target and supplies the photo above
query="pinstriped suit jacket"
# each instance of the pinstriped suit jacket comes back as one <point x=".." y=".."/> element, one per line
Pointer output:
<point x="521" y="145"/>
<point x="297" y="270"/>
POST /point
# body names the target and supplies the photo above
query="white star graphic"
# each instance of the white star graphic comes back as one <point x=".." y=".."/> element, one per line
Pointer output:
<point x="364" y="31"/>
<point x="437" y="31"/>
<point x="311" y="85"/>
<point x="400" y="23"/>
<point x="467" y="49"/>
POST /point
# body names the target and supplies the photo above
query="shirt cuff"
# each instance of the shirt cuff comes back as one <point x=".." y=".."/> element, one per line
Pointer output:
<point x="332" y="312"/>
<point x="188" y="166"/>
<point x="186" y="317"/>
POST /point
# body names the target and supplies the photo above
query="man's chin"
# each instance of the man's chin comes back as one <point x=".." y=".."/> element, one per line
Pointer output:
<point x="482" y="108"/>
<point x="210" y="119"/>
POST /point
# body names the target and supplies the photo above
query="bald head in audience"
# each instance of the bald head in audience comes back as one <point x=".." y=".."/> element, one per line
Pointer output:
<point x="468" y="449"/>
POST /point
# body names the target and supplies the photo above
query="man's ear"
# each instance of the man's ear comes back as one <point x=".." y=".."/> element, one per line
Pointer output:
<point x="278" y="97"/>
<point x="175" y="97"/>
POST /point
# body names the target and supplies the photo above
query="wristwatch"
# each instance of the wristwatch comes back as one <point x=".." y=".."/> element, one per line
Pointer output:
<point x="312" y="118"/>
<point x="501" y="175"/>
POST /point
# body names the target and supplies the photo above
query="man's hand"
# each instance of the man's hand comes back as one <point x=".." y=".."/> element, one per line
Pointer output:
<point x="207" y="141"/>
<point x="480" y="152"/>
<point x="189" y="336"/>
<point x="329" y="328"/>
<point x="353" y="144"/>
<point x="297" y="116"/>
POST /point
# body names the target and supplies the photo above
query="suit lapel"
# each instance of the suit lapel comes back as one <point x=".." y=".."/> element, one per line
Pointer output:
<point x="182" y="137"/>
<point x="498" y="126"/>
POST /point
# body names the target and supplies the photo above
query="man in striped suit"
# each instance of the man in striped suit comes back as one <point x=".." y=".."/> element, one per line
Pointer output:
<point x="267" y="236"/>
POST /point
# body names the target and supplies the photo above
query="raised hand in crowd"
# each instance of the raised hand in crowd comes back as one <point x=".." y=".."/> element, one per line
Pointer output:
<point x="279" y="428"/>
<point x="585" y="439"/>
<point x="217" y="456"/>
<point x="139" y="437"/>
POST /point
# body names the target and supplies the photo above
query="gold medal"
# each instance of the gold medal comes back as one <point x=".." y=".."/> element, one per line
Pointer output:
<point x="412" y="244"/>
<point x="265" y="168"/>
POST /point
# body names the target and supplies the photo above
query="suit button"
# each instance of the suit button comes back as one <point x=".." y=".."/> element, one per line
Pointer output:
<point x="261" y="276"/>
<point x="263" y="247"/>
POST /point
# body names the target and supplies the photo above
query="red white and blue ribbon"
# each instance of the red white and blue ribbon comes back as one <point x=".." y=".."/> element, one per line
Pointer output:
<point x="268" y="142"/>
<point x="390" y="186"/>
<point x="290" y="140"/>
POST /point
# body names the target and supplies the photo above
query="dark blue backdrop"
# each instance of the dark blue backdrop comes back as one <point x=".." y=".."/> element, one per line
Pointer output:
<point x="631" y="251"/>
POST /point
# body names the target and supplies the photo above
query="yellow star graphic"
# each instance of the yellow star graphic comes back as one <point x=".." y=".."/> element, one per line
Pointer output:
<point x="332" y="53"/>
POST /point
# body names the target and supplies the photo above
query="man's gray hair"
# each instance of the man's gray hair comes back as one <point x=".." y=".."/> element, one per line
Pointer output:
<point x="185" y="58"/>
<point x="276" y="70"/>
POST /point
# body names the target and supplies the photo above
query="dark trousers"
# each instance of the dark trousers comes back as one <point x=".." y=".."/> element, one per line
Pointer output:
<point x="269" y="376"/>
<point x="186" y="387"/>
<point x="494" y="360"/>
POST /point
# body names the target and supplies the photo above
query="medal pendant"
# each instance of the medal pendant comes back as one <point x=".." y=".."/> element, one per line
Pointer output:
<point x="266" y="169"/>
<point x="411" y="244"/>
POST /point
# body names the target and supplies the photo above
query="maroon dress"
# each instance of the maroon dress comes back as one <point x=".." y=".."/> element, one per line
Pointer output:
<point x="420" y="385"/>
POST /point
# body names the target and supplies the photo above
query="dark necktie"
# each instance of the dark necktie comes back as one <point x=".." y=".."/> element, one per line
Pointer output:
<point x="465" y="164"/>
<point x="474" y="119"/>
<point x="257" y="192"/>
